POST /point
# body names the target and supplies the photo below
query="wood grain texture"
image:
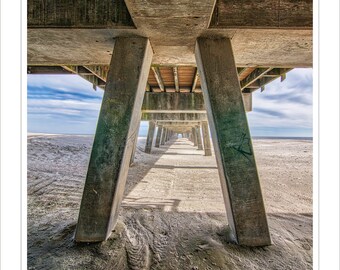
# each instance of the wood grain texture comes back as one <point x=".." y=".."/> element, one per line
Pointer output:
<point x="262" y="14"/>
<point x="78" y="13"/>
<point x="173" y="101"/>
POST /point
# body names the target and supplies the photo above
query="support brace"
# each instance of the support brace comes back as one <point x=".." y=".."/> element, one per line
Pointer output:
<point x="232" y="142"/>
<point x="113" y="142"/>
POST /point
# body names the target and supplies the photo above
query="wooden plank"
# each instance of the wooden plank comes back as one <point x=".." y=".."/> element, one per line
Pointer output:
<point x="186" y="74"/>
<point x="175" y="70"/>
<point x="194" y="82"/>
<point x="293" y="14"/>
<point x="158" y="78"/>
<point x="78" y="14"/>
<point x="99" y="71"/>
<point x="276" y="72"/>
<point x="167" y="76"/>
<point x="174" y="116"/>
<point x="252" y="77"/>
<point x="245" y="72"/>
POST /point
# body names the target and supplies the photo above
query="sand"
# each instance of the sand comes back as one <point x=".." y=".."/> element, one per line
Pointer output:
<point x="173" y="215"/>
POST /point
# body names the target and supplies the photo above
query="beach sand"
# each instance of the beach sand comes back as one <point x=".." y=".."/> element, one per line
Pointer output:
<point x="173" y="215"/>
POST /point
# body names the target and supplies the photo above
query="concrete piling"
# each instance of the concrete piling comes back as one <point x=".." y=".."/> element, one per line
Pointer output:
<point x="150" y="136"/>
<point x="232" y="142"/>
<point x="114" y="138"/>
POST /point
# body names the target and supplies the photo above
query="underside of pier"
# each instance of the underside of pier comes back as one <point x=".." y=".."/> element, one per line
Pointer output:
<point x="187" y="67"/>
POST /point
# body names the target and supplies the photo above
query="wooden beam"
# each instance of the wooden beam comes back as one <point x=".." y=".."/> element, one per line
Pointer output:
<point x="175" y="70"/>
<point x="47" y="70"/>
<point x="266" y="78"/>
<point x="81" y="70"/>
<point x="276" y="72"/>
<point x="72" y="69"/>
<point x="173" y="102"/>
<point x="194" y="82"/>
<point x="241" y="70"/>
<point x="99" y="71"/>
<point x="254" y="76"/>
<point x="78" y="14"/>
<point x="158" y="77"/>
<point x="174" y="116"/>
<point x="297" y="14"/>
<point x="255" y="85"/>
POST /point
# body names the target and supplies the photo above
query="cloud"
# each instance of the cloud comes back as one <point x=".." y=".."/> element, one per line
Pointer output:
<point x="285" y="105"/>
<point x="68" y="104"/>
<point x="62" y="104"/>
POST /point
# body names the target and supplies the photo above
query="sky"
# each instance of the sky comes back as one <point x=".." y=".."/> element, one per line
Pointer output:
<point x="68" y="104"/>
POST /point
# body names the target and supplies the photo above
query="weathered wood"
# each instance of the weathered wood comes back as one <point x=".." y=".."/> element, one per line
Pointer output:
<point x="295" y="14"/>
<point x="261" y="82"/>
<point x="175" y="70"/>
<point x="253" y="77"/>
<point x="173" y="102"/>
<point x="194" y="82"/>
<point x="178" y="123"/>
<point x="206" y="138"/>
<point x="174" y="116"/>
<point x="78" y="13"/>
<point x="113" y="142"/>
<point x="150" y="136"/>
<point x="232" y="142"/>
<point x="158" y="77"/>
<point x="276" y="72"/>
<point x="87" y="75"/>
<point x="99" y="71"/>
<point x="158" y="136"/>
<point x="47" y="70"/>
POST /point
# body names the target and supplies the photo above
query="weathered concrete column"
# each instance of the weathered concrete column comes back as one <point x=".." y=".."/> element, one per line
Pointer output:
<point x="206" y="138"/>
<point x="114" y="139"/>
<point x="133" y="154"/>
<point x="199" y="138"/>
<point x="164" y="130"/>
<point x="167" y="134"/>
<point x="194" y="136"/>
<point x="232" y="142"/>
<point x="158" y="136"/>
<point x="150" y="136"/>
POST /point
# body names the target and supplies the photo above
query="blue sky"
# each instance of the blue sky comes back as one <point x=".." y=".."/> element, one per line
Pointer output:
<point x="68" y="104"/>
